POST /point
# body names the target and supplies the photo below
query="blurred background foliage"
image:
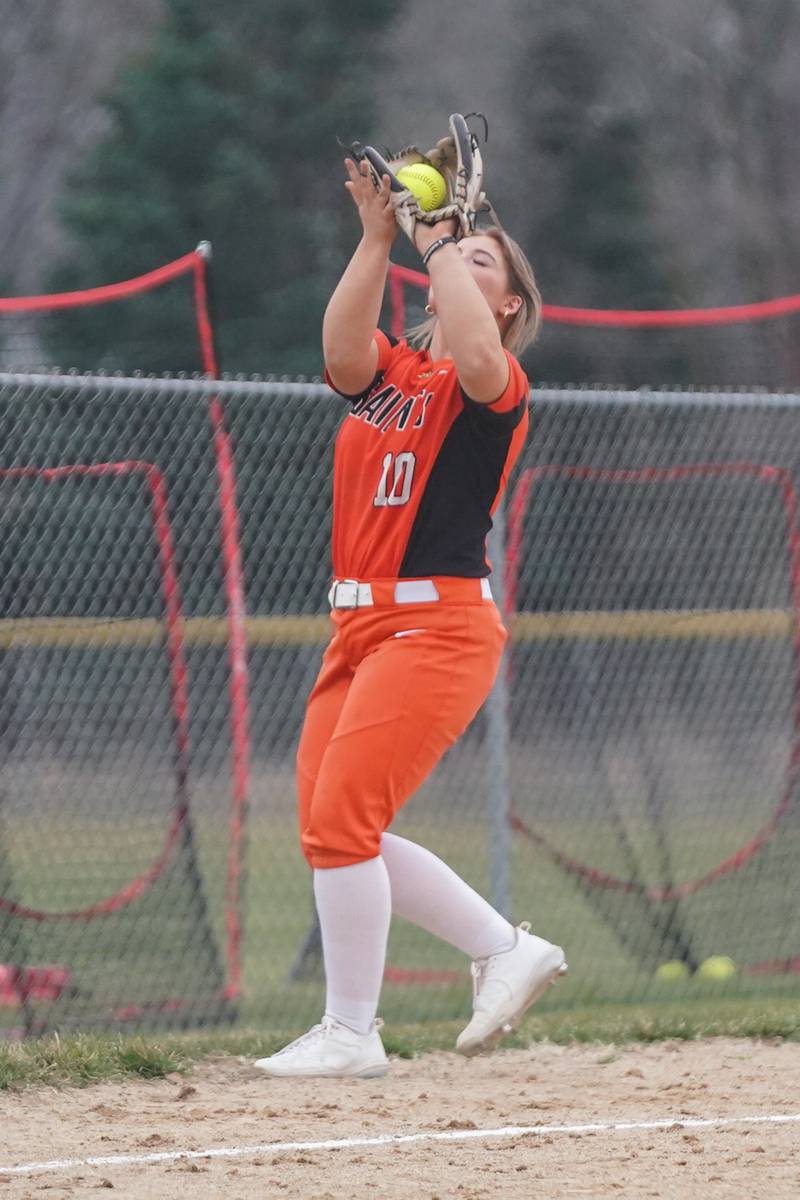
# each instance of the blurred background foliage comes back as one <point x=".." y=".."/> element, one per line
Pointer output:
<point x="645" y="158"/>
<point x="225" y="129"/>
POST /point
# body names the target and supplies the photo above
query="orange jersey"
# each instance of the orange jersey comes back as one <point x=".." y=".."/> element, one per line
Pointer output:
<point x="419" y="469"/>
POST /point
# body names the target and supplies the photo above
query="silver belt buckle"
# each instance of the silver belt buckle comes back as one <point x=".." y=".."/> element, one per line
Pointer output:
<point x="344" y="594"/>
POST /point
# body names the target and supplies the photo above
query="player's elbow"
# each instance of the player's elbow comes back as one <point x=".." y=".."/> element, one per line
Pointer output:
<point x="347" y="379"/>
<point x="350" y="366"/>
<point x="483" y="374"/>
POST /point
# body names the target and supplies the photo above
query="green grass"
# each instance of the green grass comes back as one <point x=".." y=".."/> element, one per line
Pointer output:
<point x="603" y="976"/>
<point x="88" y="1058"/>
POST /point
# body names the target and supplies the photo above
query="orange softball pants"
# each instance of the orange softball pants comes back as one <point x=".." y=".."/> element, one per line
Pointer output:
<point x="399" y="684"/>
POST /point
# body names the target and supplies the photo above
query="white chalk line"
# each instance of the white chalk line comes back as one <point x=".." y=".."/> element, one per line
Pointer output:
<point x="393" y="1139"/>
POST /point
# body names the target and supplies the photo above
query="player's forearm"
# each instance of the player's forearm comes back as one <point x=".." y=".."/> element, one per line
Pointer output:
<point x="468" y="325"/>
<point x="353" y="311"/>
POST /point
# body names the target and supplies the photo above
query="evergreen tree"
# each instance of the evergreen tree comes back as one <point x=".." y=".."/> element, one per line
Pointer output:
<point x="226" y="130"/>
<point x="593" y="240"/>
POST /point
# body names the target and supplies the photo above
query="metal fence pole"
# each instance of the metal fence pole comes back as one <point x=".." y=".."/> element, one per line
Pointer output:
<point x="498" y="791"/>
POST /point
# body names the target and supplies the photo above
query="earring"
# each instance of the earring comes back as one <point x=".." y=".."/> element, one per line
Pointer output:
<point x="429" y="310"/>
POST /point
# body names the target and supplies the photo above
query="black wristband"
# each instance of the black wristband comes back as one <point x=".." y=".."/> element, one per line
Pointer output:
<point x="437" y="245"/>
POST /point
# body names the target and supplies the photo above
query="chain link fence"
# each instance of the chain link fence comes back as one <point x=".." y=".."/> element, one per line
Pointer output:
<point x="630" y="787"/>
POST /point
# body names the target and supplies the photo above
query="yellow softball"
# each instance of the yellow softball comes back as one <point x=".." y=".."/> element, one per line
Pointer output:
<point x="672" y="971"/>
<point x="717" y="967"/>
<point x="426" y="183"/>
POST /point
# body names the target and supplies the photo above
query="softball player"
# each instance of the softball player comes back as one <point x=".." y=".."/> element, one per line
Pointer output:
<point x="421" y="461"/>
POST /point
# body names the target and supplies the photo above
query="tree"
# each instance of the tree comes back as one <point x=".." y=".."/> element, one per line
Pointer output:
<point x="595" y="244"/>
<point x="226" y="129"/>
<point x="725" y="173"/>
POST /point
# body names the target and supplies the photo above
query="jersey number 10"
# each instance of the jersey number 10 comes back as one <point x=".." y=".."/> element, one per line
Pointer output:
<point x="396" y="479"/>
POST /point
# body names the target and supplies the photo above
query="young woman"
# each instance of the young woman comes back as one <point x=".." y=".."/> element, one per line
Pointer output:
<point x="421" y="461"/>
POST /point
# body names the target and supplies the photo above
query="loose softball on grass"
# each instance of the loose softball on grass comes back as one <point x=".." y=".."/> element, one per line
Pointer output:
<point x="717" y="967"/>
<point x="672" y="970"/>
<point x="426" y="183"/>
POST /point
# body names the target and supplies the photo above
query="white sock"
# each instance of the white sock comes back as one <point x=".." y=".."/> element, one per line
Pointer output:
<point x="355" y="907"/>
<point x="428" y="893"/>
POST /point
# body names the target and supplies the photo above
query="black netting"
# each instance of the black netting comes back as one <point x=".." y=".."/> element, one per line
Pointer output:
<point x="630" y="788"/>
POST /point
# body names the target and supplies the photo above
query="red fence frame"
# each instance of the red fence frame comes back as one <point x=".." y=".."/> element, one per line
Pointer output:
<point x="177" y="676"/>
<point x="196" y="264"/>
<point x="626" y="318"/>
<point x="775" y="476"/>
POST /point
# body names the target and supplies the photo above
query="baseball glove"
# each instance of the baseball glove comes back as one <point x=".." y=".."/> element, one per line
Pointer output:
<point x="457" y="157"/>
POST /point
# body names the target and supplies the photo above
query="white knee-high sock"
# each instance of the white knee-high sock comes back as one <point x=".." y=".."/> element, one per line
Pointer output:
<point x="428" y="893"/>
<point x="355" y="907"/>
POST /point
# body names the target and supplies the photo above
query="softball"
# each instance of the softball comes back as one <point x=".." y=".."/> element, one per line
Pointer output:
<point x="717" y="967"/>
<point x="426" y="183"/>
<point x="672" y="970"/>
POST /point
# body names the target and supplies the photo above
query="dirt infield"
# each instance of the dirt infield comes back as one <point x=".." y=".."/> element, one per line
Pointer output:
<point x="227" y="1106"/>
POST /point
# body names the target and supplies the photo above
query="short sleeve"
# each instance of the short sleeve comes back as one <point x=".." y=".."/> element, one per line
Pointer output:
<point x="507" y="410"/>
<point x="387" y="348"/>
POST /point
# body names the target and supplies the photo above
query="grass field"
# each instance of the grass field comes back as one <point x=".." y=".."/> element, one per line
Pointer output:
<point x="75" y="832"/>
<point x="82" y="1059"/>
<point x="608" y="996"/>
<point x="77" y="865"/>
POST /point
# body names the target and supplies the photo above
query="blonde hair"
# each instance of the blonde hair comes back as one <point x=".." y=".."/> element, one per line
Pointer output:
<point x="523" y="327"/>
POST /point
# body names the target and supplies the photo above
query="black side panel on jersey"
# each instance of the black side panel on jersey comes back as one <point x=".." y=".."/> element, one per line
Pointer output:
<point x="448" y="536"/>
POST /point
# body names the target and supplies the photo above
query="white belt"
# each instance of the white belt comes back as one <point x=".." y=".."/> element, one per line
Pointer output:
<point x="349" y="593"/>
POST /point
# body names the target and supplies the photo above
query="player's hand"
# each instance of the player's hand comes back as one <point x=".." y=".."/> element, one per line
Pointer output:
<point x="374" y="205"/>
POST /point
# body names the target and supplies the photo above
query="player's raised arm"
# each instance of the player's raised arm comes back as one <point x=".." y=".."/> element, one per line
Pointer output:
<point x="472" y="297"/>
<point x="351" y="318"/>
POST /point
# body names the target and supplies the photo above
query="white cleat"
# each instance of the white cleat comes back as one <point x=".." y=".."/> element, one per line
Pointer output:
<point x="330" y="1049"/>
<point x="506" y="985"/>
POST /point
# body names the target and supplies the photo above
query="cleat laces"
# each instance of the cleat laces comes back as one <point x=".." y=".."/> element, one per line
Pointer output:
<point x="483" y="970"/>
<point x="318" y="1033"/>
<point x="315" y="1034"/>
